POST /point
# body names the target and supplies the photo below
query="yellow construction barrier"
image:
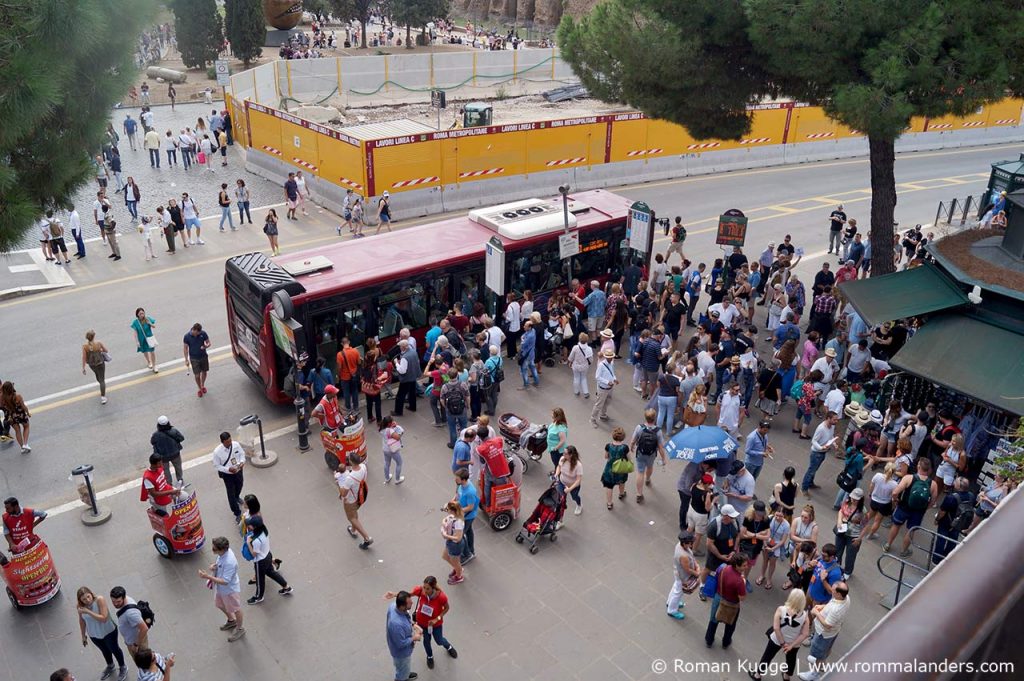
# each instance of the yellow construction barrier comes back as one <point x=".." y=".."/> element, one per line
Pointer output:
<point x="341" y="162"/>
<point x="810" y="124"/>
<point x="1006" y="112"/>
<point x="300" y="143"/>
<point x="265" y="129"/>
<point x="466" y="155"/>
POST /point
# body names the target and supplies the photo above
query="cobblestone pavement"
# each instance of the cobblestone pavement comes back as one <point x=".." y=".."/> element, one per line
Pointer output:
<point x="158" y="185"/>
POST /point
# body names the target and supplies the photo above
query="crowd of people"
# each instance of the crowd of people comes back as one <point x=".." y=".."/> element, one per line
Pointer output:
<point x="688" y="363"/>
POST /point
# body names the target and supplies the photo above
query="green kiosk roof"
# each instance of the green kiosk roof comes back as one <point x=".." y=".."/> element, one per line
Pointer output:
<point x="970" y="356"/>
<point x="903" y="294"/>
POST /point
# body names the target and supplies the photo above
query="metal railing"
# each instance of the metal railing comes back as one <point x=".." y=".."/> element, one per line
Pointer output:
<point x="903" y="587"/>
<point x="955" y="211"/>
<point x="968" y="608"/>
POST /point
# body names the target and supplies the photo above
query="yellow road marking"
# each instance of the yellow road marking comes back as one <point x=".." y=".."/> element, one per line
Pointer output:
<point x="119" y="386"/>
<point x="621" y="188"/>
<point x="805" y="166"/>
<point x="785" y="210"/>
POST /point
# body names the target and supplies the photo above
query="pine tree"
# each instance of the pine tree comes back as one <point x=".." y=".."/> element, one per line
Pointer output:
<point x="871" y="65"/>
<point x="246" y="28"/>
<point x="64" y="65"/>
<point x="198" y="28"/>
<point x="353" y="9"/>
<point x="417" y="13"/>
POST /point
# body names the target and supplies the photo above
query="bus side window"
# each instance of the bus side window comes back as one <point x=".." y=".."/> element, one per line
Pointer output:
<point x="594" y="258"/>
<point x="405" y="307"/>
<point x="440" y="299"/>
<point x="355" y="326"/>
<point x="327" y="336"/>
<point x="468" y="292"/>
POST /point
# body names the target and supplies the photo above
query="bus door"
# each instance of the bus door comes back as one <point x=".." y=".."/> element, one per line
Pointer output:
<point x="333" y="319"/>
<point x="468" y="285"/>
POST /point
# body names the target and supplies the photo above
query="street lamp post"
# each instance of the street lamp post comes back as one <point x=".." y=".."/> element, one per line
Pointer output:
<point x="266" y="459"/>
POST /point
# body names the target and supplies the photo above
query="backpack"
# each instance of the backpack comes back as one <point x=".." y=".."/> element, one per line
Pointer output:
<point x="456" y="344"/>
<point x="963" y="517"/>
<point x="364" y="490"/>
<point x="647" y="442"/>
<point x="797" y="391"/>
<point x="143" y="607"/>
<point x="56" y="231"/>
<point x="919" y="495"/>
<point x="455" y="402"/>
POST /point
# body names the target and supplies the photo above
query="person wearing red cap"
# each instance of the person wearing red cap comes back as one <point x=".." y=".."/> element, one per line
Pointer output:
<point x="328" y="412"/>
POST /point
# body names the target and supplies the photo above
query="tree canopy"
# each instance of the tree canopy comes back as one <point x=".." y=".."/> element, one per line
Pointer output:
<point x="65" y="64"/>
<point x="246" y="28"/>
<point x="199" y="31"/>
<point x="411" y="13"/>
<point x="353" y="9"/>
<point x="871" y="65"/>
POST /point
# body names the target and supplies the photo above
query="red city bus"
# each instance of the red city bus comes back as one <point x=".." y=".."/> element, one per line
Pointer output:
<point x="306" y="302"/>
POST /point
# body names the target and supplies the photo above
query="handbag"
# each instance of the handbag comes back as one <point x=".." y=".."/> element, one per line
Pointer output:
<point x="201" y="157"/>
<point x="727" y="612"/>
<point x="246" y="553"/>
<point x="151" y="341"/>
<point x="622" y="466"/>
<point x="846" y="481"/>
<point x="107" y="357"/>
<point x="711" y="583"/>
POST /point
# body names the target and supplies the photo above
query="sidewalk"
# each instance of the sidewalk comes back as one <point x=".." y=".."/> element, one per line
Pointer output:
<point x="589" y="606"/>
<point x="27" y="272"/>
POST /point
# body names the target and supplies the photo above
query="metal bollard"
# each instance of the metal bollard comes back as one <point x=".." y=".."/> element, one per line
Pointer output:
<point x="266" y="459"/>
<point x="95" y="514"/>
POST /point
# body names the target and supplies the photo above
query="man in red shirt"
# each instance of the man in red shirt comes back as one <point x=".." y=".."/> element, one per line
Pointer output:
<point x="431" y="607"/>
<point x="155" y="488"/>
<point x="732" y="589"/>
<point x="328" y="412"/>
<point x="578" y="293"/>
<point x="492" y="453"/>
<point x="19" y="525"/>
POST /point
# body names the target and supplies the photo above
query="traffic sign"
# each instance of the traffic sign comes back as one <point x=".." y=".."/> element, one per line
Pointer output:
<point x="732" y="228"/>
<point x="220" y="67"/>
<point x="568" y="245"/>
<point x="437" y="99"/>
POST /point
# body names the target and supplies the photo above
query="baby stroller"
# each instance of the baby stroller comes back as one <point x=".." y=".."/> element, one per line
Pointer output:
<point x="519" y="434"/>
<point x="544" y="519"/>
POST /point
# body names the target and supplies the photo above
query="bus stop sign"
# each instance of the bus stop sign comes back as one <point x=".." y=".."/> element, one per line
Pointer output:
<point x="638" y="225"/>
<point x="494" y="266"/>
<point x="732" y="228"/>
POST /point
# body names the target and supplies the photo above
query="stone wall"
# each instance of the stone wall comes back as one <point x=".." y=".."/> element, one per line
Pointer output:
<point x="540" y="12"/>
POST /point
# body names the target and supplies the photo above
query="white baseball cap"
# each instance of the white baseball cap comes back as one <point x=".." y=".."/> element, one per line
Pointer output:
<point x="163" y="421"/>
<point x="386" y="193"/>
<point x="730" y="511"/>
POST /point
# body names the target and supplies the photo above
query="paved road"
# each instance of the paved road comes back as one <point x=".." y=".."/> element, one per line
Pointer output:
<point x="587" y="607"/>
<point x="43" y="331"/>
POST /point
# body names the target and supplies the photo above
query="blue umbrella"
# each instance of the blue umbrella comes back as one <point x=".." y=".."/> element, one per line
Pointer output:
<point x="701" y="443"/>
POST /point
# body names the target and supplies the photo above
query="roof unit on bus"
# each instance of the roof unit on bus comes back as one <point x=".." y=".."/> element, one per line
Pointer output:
<point x="524" y="219"/>
<point x="316" y="263"/>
